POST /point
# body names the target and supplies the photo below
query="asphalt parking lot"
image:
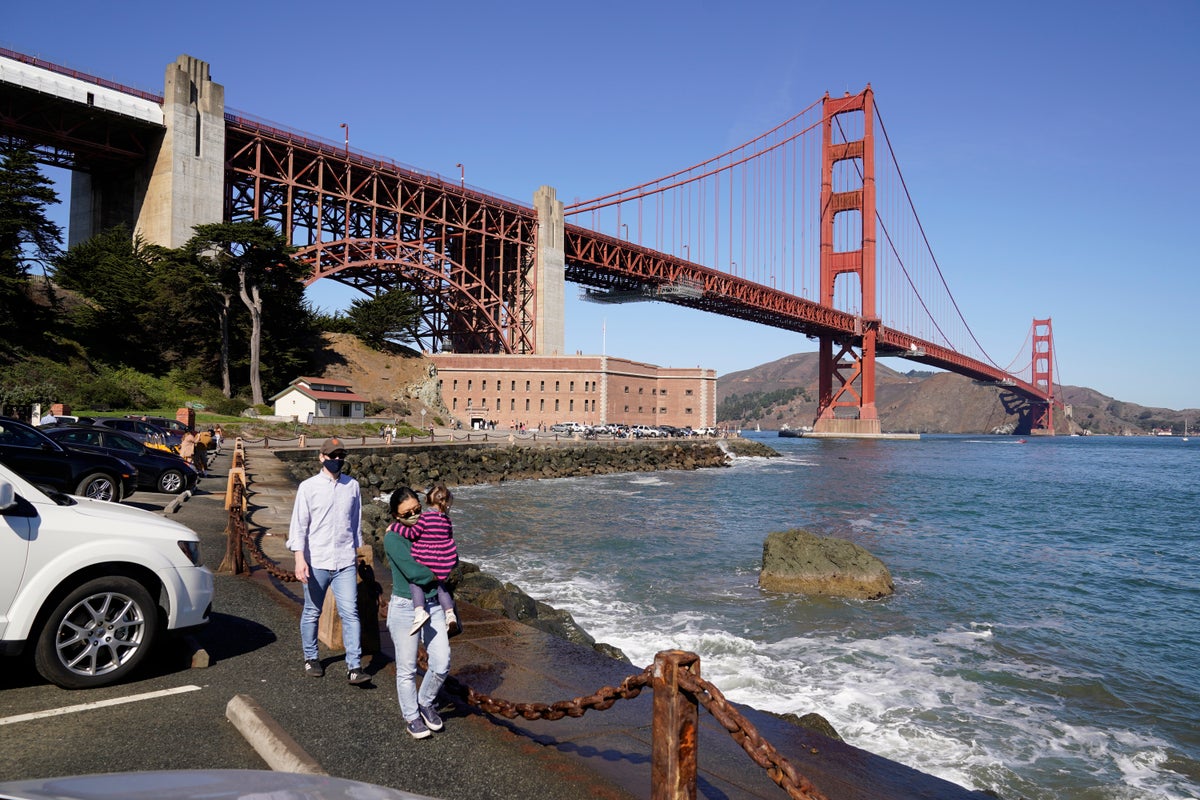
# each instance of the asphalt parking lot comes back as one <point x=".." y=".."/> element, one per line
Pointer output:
<point x="172" y="716"/>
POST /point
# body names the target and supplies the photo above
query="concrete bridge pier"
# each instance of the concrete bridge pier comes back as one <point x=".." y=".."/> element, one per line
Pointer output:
<point x="550" y="279"/>
<point x="182" y="182"/>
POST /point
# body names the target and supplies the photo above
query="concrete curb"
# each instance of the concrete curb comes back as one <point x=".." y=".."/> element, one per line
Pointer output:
<point x="173" y="506"/>
<point x="281" y="752"/>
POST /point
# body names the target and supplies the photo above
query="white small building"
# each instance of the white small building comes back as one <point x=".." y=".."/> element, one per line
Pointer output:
<point x="309" y="399"/>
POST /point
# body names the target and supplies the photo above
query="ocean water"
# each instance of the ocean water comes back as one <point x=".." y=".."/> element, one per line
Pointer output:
<point x="1043" y="641"/>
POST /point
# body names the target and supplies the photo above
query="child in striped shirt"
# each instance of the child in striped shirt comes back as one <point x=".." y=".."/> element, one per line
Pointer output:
<point x="433" y="546"/>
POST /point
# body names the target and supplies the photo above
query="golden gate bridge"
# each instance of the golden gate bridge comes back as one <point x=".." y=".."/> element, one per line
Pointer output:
<point x="808" y="227"/>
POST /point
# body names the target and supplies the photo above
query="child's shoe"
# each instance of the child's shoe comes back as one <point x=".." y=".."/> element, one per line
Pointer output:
<point x="420" y="617"/>
<point x="451" y="618"/>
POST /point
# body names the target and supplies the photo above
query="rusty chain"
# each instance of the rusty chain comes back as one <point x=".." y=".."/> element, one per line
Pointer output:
<point x="762" y="752"/>
<point x="237" y="523"/>
<point x="601" y="700"/>
<point x="744" y="733"/>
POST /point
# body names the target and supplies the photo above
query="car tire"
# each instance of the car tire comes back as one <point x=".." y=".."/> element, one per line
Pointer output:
<point x="100" y="486"/>
<point x="171" y="481"/>
<point x="98" y="634"/>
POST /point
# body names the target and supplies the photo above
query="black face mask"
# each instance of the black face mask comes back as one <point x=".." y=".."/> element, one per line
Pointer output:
<point x="334" y="465"/>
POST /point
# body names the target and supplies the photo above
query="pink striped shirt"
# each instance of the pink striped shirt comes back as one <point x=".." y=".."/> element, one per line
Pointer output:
<point x="433" y="542"/>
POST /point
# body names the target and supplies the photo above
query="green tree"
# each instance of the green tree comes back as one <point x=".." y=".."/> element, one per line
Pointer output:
<point x="114" y="270"/>
<point x="388" y="318"/>
<point x="27" y="236"/>
<point x="245" y="258"/>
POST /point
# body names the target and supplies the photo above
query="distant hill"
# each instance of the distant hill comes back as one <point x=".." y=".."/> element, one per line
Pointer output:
<point x="920" y="401"/>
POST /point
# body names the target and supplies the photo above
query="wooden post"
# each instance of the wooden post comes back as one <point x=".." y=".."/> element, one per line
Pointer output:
<point x="674" y="730"/>
<point x="329" y="628"/>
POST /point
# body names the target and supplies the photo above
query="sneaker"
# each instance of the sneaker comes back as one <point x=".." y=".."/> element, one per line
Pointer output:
<point x="417" y="729"/>
<point x="432" y="720"/>
<point x="453" y="626"/>
<point x="357" y="676"/>
<point x="420" y="617"/>
<point x="313" y="668"/>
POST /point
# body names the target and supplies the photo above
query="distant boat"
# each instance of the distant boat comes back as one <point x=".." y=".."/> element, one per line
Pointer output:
<point x="794" y="433"/>
<point x="1185" y="436"/>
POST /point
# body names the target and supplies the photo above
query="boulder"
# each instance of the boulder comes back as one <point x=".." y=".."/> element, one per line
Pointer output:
<point x="799" y="561"/>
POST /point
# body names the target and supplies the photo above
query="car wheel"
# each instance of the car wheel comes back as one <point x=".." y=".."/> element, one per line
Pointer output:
<point x="98" y="633"/>
<point x="99" y="486"/>
<point x="171" y="481"/>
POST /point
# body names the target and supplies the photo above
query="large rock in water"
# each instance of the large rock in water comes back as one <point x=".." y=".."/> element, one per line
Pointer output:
<point x="799" y="561"/>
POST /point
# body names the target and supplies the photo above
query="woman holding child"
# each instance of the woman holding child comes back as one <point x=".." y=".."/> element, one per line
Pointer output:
<point x="416" y="706"/>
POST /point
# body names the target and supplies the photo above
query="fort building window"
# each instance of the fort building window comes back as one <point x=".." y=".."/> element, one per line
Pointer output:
<point x="556" y="405"/>
<point x="454" y="404"/>
<point x="512" y="404"/>
<point x="514" y="386"/>
<point x="626" y="390"/>
<point x="456" y="384"/>
<point x="527" y="385"/>
<point x="687" y="392"/>
<point x="541" y="386"/>
<point x="556" y="383"/>
<point x="572" y="388"/>
<point x="469" y="387"/>
<point x="526" y="403"/>
<point x="571" y="405"/>
<point x="687" y="411"/>
<point x="483" y="386"/>
<point x="542" y="404"/>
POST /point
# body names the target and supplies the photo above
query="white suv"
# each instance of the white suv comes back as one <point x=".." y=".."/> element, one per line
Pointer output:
<point x="89" y="585"/>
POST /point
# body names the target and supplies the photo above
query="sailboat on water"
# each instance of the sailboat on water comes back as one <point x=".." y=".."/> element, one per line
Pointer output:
<point x="1185" y="436"/>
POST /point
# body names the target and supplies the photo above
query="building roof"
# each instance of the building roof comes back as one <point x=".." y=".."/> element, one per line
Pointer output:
<point x="304" y="387"/>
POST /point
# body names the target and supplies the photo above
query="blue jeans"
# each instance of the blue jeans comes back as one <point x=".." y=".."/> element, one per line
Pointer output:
<point x="437" y="646"/>
<point x="344" y="583"/>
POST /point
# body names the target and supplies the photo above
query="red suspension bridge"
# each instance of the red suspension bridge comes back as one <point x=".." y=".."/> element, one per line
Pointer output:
<point x="808" y="227"/>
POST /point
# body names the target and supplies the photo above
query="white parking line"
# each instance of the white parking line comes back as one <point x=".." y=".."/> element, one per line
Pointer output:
<point x="116" y="701"/>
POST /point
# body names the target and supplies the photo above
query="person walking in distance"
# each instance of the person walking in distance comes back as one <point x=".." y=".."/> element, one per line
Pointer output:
<point x="420" y="717"/>
<point x="433" y="547"/>
<point x="325" y="534"/>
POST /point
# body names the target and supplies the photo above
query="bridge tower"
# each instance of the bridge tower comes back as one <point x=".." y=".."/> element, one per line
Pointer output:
<point x="1042" y="412"/>
<point x="851" y="363"/>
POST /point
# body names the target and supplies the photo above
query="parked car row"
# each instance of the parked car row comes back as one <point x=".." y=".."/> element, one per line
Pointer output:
<point x="621" y="431"/>
<point x="96" y="461"/>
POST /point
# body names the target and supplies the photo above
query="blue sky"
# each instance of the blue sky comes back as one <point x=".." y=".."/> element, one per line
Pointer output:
<point x="1047" y="145"/>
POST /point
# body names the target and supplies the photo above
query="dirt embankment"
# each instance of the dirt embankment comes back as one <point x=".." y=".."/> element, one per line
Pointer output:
<point x="402" y="384"/>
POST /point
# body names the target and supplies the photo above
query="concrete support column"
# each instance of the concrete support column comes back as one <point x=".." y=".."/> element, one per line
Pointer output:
<point x="186" y="186"/>
<point x="550" y="281"/>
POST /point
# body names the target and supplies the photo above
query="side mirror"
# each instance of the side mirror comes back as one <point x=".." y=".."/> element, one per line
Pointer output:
<point x="8" y="498"/>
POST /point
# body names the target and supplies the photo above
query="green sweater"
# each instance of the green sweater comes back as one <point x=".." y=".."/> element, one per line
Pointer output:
<point x="404" y="569"/>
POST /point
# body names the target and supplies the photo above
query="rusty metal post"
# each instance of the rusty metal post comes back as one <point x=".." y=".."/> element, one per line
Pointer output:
<point x="675" y="728"/>
<point x="266" y="442"/>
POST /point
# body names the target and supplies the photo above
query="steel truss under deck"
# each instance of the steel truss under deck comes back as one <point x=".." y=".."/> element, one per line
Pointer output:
<point x="467" y="258"/>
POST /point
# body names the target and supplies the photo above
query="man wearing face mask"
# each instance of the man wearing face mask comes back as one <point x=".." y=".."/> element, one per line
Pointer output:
<point x="325" y="534"/>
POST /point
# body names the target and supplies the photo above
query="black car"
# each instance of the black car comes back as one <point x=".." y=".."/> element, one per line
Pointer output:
<point x="43" y="461"/>
<point x="140" y="429"/>
<point x="158" y="470"/>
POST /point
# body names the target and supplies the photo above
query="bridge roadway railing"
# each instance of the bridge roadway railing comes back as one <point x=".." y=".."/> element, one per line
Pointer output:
<point x="674" y="677"/>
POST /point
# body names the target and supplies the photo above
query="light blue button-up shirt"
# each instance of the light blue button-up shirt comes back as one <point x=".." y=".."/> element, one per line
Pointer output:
<point x="327" y="521"/>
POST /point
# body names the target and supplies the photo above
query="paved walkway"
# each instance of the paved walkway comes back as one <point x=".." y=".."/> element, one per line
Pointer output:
<point x="507" y="659"/>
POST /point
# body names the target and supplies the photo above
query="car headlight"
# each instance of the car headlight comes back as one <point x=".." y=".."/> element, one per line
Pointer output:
<point x="191" y="550"/>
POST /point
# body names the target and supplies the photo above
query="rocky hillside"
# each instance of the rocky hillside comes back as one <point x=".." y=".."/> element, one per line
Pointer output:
<point x="924" y="402"/>
<point x="397" y="384"/>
